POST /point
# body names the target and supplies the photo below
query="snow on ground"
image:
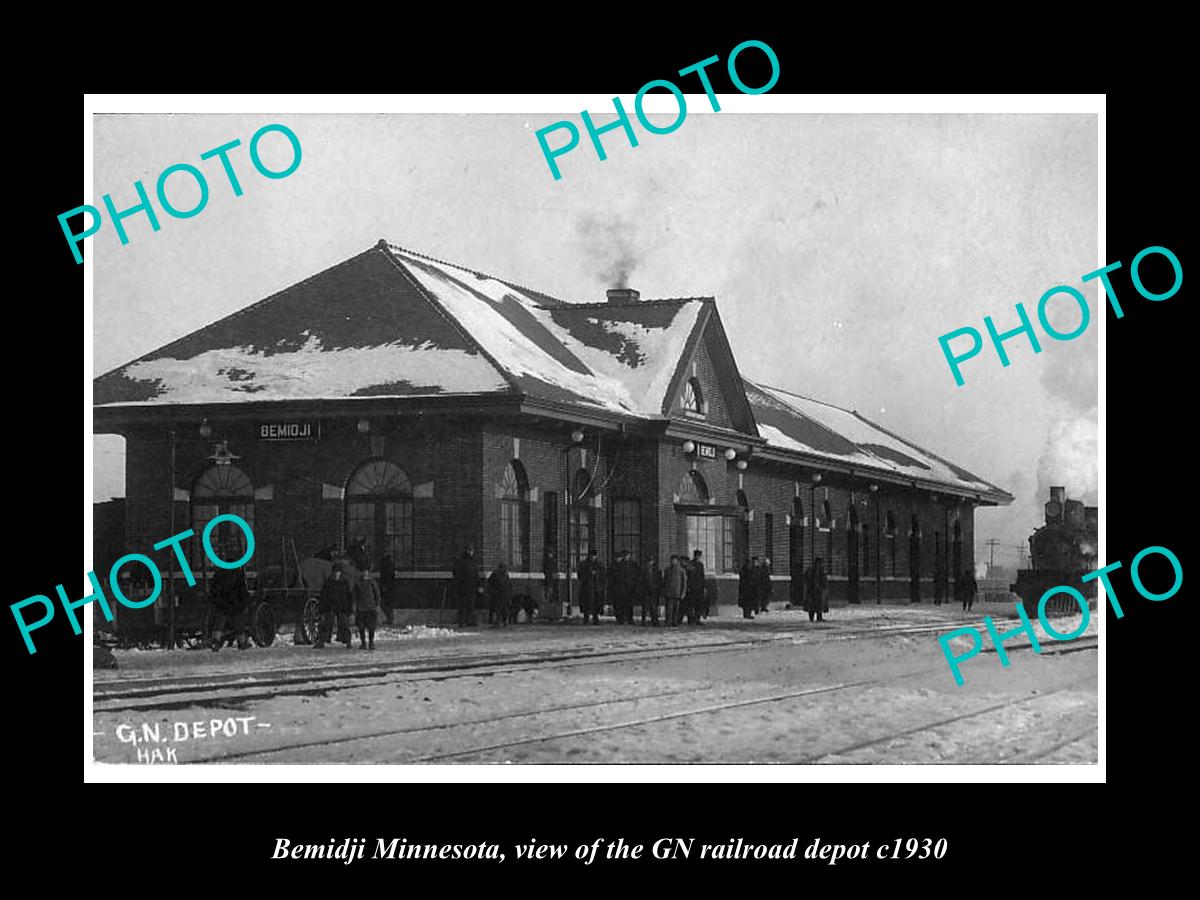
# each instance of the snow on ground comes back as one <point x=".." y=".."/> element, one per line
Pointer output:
<point x="1029" y="708"/>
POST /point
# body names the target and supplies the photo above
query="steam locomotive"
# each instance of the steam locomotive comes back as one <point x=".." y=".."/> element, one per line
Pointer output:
<point x="1062" y="552"/>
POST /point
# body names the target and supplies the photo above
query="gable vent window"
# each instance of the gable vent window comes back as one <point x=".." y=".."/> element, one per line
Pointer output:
<point x="693" y="398"/>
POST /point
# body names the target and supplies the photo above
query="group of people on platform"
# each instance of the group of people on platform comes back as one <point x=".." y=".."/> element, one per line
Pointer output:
<point x="338" y="601"/>
<point x="754" y="586"/>
<point x="679" y="589"/>
<point x="965" y="588"/>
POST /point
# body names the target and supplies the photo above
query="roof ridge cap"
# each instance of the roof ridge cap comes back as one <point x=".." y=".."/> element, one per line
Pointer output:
<point x="476" y="272"/>
<point x="452" y="319"/>
<point x="604" y="304"/>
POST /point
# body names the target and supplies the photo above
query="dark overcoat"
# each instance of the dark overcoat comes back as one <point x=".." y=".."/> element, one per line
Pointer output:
<point x="816" y="599"/>
<point x="466" y="577"/>
<point x="747" y="596"/>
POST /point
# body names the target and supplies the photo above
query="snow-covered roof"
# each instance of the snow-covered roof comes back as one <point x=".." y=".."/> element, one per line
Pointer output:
<point x="355" y="330"/>
<point x="619" y="357"/>
<point x="391" y="322"/>
<point x="794" y="422"/>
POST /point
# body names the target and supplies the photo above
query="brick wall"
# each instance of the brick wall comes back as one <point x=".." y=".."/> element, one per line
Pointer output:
<point x="456" y="465"/>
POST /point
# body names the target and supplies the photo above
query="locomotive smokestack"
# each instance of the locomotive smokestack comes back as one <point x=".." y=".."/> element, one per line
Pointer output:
<point x="1058" y="494"/>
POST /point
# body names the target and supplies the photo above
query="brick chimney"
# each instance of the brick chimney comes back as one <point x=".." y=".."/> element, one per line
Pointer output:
<point x="623" y="295"/>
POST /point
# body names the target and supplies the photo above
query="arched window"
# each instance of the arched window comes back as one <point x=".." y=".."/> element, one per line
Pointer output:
<point x="699" y="531"/>
<point x="379" y="512"/>
<point x="582" y="517"/>
<point x="221" y="490"/>
<point x="513" y="493"/>
<point x="693" y="397"/>
<point x="889" y="536"/>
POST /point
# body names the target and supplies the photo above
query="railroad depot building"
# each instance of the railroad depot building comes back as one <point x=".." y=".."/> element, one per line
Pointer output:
<point x="421" y="406"/>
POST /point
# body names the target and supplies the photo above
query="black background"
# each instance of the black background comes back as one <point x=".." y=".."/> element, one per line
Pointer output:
<point x="1038" y="830"/>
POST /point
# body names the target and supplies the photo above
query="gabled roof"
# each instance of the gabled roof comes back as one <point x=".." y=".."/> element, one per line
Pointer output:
<point x="391" y="322"/>
<point x="815" y="429"/>
<point x="355" y="330"/>
<point x="617" y="357"/>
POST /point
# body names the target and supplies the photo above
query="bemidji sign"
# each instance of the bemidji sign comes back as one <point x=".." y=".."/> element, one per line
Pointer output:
<point x="290" y="431"/>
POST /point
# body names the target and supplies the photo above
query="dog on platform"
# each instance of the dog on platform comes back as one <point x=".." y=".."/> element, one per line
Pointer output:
<point x="524" y="602"/>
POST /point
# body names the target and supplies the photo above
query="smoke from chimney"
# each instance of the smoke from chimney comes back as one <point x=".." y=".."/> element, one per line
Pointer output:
<point x="609" y="247"/>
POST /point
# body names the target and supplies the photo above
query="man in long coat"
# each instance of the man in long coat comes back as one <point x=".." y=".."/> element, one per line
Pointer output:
<point x="652" y="585"/>
<point x="815" y="599"/>
<point x="366" y="609"/>
<point x="389" y="587"/>
<point x="333" y="605"/>
<point x="589" y="602"/>
<point x="941" y="587"/>
<point x="230" y="601"/>
<point x="466" y="586"/>
<point x="747" y="598"/>
<point x="695" y="589"/>
<point x="764" y="589"/>
<point x="500" y="594"/>
<point x="674" y="590"/>
<point x="966" y="586"/>
<point x="625" y="588"/>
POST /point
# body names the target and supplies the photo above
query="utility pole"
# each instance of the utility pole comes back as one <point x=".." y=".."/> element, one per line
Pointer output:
<point x="992" y="544"/>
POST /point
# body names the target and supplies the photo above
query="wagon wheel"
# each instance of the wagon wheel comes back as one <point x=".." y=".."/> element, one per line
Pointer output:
<point x="263" y="626"/>
<point x="310" y="621"/>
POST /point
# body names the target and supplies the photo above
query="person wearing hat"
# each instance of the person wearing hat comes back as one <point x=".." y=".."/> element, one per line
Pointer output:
<point x="334" y="603"/>
<point x="466" y="586"/>
<point x="230" y="600"/>
<point x="696" y="599"/>
<point x="589" y="588"/>
<point x="366" y="609"/>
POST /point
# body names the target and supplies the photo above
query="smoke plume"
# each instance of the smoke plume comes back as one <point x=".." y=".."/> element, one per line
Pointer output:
<point x="1071" y="458"/>
<point x="609" y="247"/>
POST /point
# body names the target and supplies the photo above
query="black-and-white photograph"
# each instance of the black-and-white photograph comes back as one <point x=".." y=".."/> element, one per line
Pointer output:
<point x="408" y="452"/>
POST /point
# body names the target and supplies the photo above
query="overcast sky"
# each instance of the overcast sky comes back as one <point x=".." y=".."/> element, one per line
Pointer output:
<point x="838" y="247"/>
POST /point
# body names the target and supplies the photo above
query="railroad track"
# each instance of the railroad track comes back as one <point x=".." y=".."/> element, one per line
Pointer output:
<point x="737" y="704"/>
<point x="961" y="717"/>
<point x="709" y="708"/>
<point x="1055" y="747"/>
<point x="184" y="691"/>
